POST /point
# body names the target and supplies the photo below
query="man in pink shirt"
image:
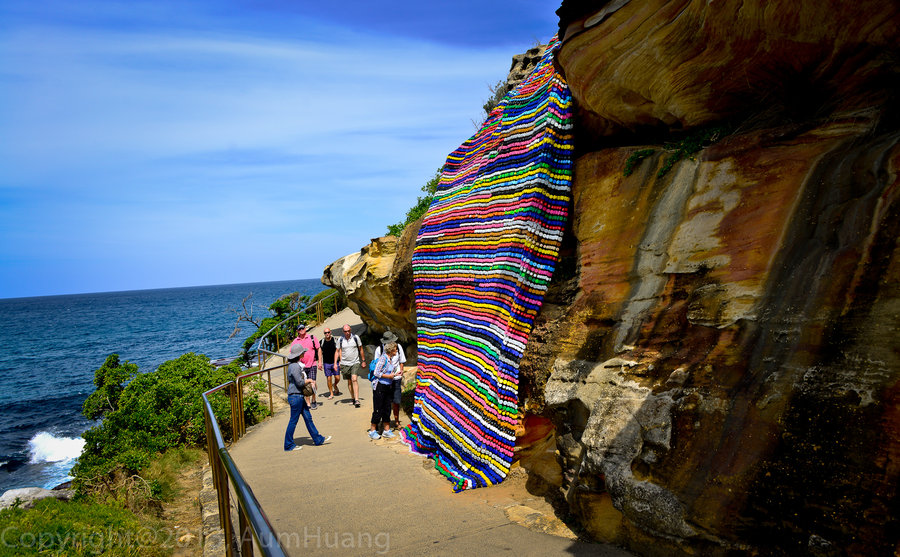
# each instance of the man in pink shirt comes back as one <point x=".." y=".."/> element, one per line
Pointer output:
<point x="311" y="360"/>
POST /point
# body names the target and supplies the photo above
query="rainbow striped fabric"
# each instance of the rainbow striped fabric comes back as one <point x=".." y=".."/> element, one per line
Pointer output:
<point x="483" y="259"/>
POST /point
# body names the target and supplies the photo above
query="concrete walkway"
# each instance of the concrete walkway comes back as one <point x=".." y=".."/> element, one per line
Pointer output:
<point x="355" y="496"/>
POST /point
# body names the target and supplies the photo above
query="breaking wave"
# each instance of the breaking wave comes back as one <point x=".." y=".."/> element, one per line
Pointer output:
<point x="46" y="447"/>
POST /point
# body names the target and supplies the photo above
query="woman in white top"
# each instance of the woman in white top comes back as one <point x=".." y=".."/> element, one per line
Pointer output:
<point x="398" y="360"/>
<point x="383" y="389"/>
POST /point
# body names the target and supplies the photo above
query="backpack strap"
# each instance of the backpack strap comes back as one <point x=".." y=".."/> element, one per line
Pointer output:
<point x="341" y="341"/>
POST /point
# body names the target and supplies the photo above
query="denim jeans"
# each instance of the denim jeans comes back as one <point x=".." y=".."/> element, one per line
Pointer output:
<point x="299" y="406"/>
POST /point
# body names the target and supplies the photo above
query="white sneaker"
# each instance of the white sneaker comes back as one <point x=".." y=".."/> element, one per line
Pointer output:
<point x="389" y="434"/>
<point x="374" y="434"/>
<point x="297" y="448"/>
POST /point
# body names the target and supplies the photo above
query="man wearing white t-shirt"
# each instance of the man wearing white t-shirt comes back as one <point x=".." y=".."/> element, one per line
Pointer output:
<point x="353" y="361"/>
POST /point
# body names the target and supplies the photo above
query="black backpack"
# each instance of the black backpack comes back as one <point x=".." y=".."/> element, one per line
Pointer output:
<point x="315" y="348"/>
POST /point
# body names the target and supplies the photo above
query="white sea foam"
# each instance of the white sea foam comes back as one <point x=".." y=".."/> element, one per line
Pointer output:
<point x="46" y="447"/>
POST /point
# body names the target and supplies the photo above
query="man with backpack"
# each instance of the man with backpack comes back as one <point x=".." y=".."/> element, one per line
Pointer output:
<point x="311" y="360"/>
<point x="329" y="356"/>
<point x="353" y="361"/>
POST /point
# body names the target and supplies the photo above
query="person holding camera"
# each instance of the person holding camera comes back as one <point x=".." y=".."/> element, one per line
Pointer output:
<point x="298" y="386"/>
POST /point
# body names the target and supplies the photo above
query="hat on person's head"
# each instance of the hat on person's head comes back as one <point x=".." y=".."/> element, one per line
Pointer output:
<point x="301" y="327"/>
<point x="388" y="337"/>
<point x="297" y="350"/>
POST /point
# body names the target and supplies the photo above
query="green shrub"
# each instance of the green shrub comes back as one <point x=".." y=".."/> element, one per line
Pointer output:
<point x="110" y="380"/>
<point x="330" y="306"/>
<point x="152" y="414"/>
<point x="285" y="332"/>
<point x="684" y="149"/>
<point x="421" y="206"/>
<point x="75" y="528"/>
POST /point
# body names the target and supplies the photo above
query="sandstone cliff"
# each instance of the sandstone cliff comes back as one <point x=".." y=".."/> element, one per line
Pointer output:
<point x="719" y="350"/>
<point x="377" y="281"/>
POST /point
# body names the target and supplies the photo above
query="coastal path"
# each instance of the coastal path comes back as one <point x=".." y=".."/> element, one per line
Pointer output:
<point x="356" y="496"/>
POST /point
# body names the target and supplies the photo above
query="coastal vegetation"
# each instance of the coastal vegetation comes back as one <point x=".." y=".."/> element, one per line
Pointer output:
<point x="147" y="414"/>
<point x="677" y="151"/>
<point x="77" y="528"/>
<point x="151" y="429"/>
<point x="279" y="311"/>
<point x="422" y="203"/>
<point x="150" y="432"/>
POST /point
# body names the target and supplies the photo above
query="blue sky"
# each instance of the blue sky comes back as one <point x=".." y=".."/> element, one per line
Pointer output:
<point x="151" y="144"/>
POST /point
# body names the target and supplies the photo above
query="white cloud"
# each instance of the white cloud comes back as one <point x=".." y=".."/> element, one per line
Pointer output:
<point x="180" y="145"/>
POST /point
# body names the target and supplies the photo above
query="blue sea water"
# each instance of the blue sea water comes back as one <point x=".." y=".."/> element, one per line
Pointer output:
<point x="52" y="345"/>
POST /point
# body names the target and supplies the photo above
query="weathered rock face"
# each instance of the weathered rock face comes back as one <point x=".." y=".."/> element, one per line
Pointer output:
<point x="677" y="64"/>
<point x="719" y="348"/>
<point x="377" y="281"/>
<point x="726" y="375"/>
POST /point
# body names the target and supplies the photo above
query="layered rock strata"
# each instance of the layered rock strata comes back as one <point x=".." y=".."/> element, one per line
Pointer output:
<point x="726" y="373"/>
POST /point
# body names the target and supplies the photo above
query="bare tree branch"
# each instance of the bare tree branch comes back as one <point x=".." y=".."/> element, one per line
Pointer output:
<point x="245" y="314"/>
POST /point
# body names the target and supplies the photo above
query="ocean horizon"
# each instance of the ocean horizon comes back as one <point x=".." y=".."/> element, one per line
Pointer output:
<point x="53" y="344"/>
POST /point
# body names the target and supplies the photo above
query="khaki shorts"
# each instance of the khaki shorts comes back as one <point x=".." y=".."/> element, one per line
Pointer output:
<point x="353" y="369"/>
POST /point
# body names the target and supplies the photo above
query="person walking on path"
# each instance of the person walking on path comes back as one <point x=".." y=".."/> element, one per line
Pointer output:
<point x="297" y="379"/>
<point x="311" y="360"/>
<point x="331" y="365"/>
<point x="398" y="360"/>
<point x="383" y="387"/>
<point x="353" y="361"/>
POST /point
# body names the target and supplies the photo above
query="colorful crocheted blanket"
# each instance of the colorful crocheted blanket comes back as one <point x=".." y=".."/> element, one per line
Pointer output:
<point x="484" y="256"/>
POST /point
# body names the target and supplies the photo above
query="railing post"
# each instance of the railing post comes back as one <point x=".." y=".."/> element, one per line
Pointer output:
<point x="235" y="429"/>
<point x="271" y="404"/>
<point x="253" y="525"/>
<point x="221" y="484"/>
<point x="225" y="511"/>
<point x="241" y="411"/>
<point x="239" y="401"/>
<point x="246" y="536"/>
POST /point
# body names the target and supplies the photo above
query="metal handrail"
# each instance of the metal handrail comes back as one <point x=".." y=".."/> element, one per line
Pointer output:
<point x="253" y="524"/>
<point x="252" y="519"/>
<point x="319" y="318"/>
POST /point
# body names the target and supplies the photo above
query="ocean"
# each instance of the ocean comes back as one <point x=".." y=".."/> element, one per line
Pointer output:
<point x="52" y="345"/>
